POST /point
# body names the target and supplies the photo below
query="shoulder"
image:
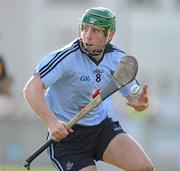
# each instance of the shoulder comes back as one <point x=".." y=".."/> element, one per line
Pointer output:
<point x="110" y="48"/>
<point x="57" y="56"/>
<point x="58" y="60"/>
<point x="113" y="53"/>
<point x="66" y="50"/>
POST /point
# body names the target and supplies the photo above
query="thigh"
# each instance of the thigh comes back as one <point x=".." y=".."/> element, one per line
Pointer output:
<point x="74" y="152"/>
<point x="89" y="168"/>
<point x="109" y="129"/>
<point x="72" y="162"/>
<point x="124" y="152"/>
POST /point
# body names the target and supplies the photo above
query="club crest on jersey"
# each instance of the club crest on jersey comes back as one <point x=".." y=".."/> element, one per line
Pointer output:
<point x="85" y="78"/>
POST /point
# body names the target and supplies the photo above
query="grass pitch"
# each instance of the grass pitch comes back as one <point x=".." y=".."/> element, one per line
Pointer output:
<point x="18" y="168"/>
<point x="100" y="167"/>
<point x="34" y="168"/>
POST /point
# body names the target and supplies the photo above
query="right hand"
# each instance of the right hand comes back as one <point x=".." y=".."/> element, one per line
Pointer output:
<point x="57" y="130"/>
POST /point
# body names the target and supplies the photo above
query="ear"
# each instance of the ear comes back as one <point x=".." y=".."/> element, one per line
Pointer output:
<point x="111" y="34"/>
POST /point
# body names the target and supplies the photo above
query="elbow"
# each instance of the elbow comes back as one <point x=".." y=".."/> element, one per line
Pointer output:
<point x="29" y="88"/>
<point x="27" y="91"/>
<point x="33" y="87"/>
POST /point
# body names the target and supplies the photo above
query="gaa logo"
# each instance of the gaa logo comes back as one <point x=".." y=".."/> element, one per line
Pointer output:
<point x="85" y="78"/>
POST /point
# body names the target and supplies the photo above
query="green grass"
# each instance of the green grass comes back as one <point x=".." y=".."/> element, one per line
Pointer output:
<point x="34" y="168"/>
<point x="18" y="168"/>
<point x="37" y="168"/>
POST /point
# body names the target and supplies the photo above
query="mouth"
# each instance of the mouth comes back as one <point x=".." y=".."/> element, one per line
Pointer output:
<point x="88" y="44"/>
<point x="90" y="49"/>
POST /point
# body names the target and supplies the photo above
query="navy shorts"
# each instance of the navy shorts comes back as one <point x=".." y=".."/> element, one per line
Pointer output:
<point x="84" y="146"/>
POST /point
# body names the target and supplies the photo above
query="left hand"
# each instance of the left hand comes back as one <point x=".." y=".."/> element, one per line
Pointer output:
<point x="139" y="102"/>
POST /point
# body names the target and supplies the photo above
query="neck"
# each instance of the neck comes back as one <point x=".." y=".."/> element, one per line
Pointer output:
<point x="97" y="58"/>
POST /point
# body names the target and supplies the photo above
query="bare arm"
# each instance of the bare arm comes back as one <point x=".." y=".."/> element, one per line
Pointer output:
<point x="139" y="102"/>
<point x="34" y="94"/>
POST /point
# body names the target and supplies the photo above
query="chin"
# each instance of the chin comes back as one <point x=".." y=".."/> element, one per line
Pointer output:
<point x="89" y="49"/>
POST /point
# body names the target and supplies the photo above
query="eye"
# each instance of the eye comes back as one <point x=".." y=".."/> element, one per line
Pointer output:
<point x="85" y="28"/>
<point x="96" y="30"/>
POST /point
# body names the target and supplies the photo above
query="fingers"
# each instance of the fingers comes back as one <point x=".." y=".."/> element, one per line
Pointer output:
<point x="130" y="104"/>
<point x="145" y="90"/>
<point x="140" y="102"/>
<point x="139" y="107"/>
<point x="70" y="130"/>
<point x="142" y="107"/>
<point x="57" y="137"/>
<point x="59" y="134"/>
<point x="58" y="131"/>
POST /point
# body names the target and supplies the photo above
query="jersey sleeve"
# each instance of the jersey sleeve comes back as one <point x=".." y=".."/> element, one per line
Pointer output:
<point x="50" y="69"/>
<point x="125" y="91"/>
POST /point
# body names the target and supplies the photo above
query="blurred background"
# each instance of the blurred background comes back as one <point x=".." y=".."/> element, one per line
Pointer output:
<point x="146" y="29"/>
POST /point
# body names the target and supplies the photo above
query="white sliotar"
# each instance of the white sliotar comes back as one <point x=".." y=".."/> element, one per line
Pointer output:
<point x="135" y="90"/>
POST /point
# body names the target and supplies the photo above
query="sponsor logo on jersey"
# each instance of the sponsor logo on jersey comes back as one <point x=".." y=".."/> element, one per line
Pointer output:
<point x="98" y="71"/>
<point x="85" y="78"/>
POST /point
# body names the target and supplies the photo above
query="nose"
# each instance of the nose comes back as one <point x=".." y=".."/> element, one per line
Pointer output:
<point x="89" y="34"/>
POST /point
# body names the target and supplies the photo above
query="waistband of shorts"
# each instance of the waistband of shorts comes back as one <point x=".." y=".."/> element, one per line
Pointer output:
<point x="93" y="126"/>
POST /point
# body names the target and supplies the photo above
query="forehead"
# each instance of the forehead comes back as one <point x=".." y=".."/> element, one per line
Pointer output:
<point x="91" y="26"/>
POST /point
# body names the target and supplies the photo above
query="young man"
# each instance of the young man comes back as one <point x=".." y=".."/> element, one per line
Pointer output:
<point x="69" y="77"/>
